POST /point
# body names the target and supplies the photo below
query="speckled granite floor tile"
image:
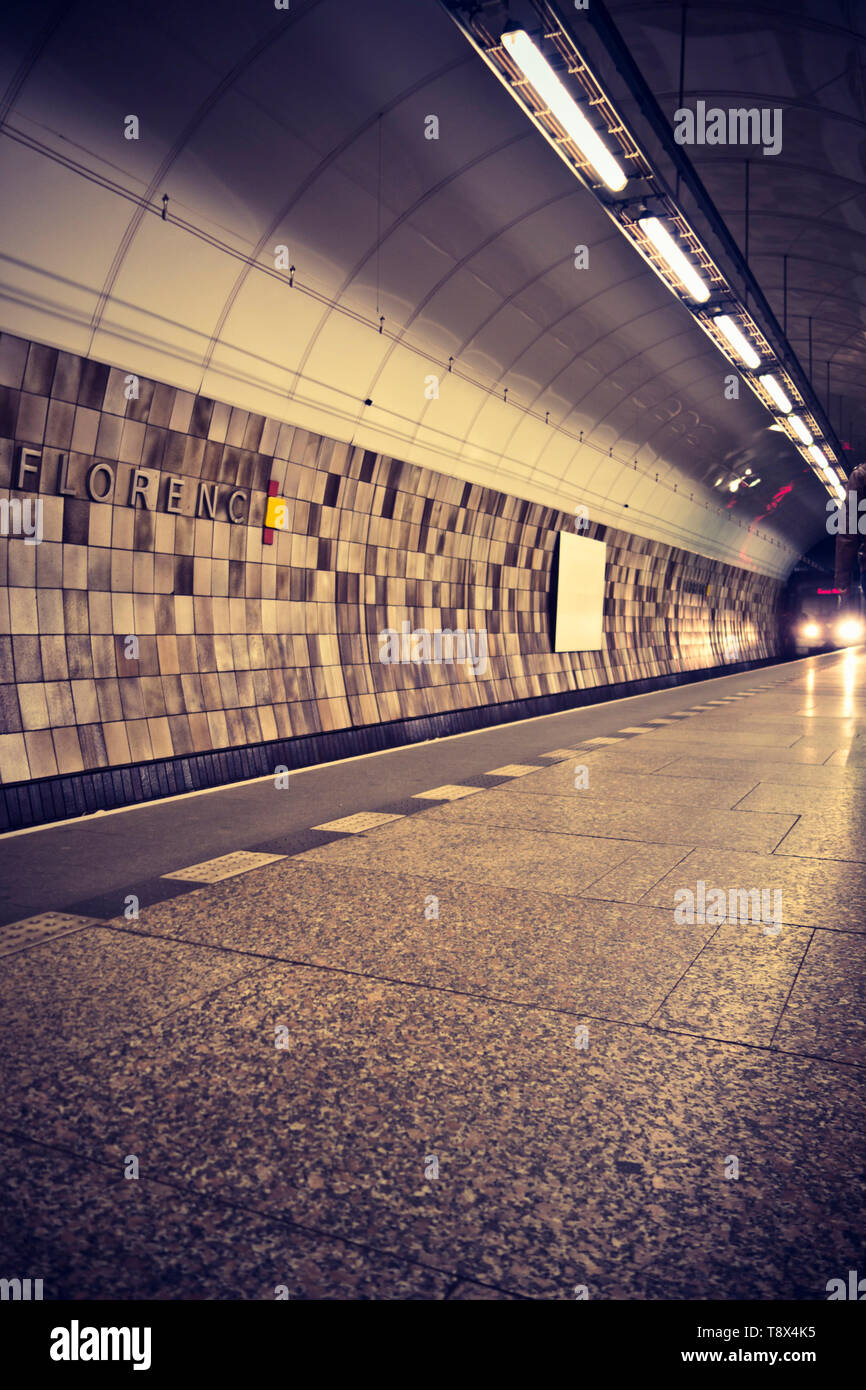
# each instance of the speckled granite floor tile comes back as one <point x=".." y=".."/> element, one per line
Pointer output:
<point x="711" y="792"/>
<point x="648" y="823"/>
<point x="810" y="717"/>
<point x="477" y="1292"/>
<point x="636" y="754"/>
<point x="599" y="957"/>
<point x="479" y="1137"/>
<point x="90" y="1233"/>
<point x="713" y="764"/>
<point x="738" y="985"/>
<point x="768" y="735"/>
<point x="739" y="747"/>
<point x="826" y="837"/>
<point x="815" y="892"/>
<point x="826" y="1013"/>
<point x="779" y="722"/>
<point x="82" y="990"/>
<point x="725" y="735"/>
<point x="629" y="881"/>
<point x="839" y="803"/>
<point x="847" y="757"/>
<point x="468" y="851"/>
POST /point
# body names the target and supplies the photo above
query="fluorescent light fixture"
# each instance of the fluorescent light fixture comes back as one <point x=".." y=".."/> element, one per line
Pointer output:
<point x="772" y="387"/>
<point x="732" y="487"/>
<point x="674" y="258"/>
<point x="819" y="456"/>
<point x="799" y="429"/>
<point x="561" y="104"/>
<point x="741" y="345"/>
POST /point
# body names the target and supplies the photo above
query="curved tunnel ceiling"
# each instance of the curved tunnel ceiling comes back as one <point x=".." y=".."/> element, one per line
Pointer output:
<point x="807" y="202"/>
<point x="305" y="129"/>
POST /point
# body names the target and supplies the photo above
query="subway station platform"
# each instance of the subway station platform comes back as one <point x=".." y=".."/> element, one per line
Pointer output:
<point x="482" y="1018"/>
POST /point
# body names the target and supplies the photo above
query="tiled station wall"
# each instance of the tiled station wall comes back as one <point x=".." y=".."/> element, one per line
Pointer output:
<point x="242" y="644"/>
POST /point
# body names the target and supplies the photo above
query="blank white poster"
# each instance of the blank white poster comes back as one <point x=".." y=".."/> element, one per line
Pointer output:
<point x="579" y="594"/>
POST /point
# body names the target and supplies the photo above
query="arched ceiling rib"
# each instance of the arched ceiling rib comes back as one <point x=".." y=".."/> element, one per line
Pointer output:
<point x="265" y="128"/>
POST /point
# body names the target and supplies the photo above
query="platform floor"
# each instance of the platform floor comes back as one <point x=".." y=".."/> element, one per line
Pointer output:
<point x="446" y="1023"/>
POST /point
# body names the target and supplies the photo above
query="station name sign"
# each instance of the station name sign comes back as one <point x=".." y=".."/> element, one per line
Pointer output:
<point x="127" y="485"/>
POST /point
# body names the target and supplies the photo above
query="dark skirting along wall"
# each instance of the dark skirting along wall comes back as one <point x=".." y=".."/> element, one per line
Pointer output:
<point x="249" y="655"/>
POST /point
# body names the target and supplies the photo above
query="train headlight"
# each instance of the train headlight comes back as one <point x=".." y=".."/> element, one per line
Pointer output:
<point x="811" y="630"/>
<point x="851" y="630"/>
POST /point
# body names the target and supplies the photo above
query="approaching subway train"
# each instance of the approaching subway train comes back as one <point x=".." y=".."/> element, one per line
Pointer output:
<point x="816" y="622"/>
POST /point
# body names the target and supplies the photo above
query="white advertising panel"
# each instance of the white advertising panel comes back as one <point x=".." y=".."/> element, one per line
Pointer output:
<point x="579" y="594"/>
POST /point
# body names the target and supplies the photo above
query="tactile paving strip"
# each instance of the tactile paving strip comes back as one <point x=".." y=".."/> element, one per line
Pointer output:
<point x="32" y="931"/>
<point x="226" y="866"/>
<point x="357" y="824"/>
<point x="450" y="792"/>
<point x="512" y="770"/>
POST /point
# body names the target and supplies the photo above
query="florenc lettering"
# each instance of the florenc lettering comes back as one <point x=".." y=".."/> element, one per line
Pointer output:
<point x="130" y="486"/>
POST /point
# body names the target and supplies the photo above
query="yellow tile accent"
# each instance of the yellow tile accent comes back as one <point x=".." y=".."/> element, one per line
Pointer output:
<point x="357" y="824"/>
<point x="277" y="513"/>
<point x="226" y="866"/>
<point x="449" y="792"/>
